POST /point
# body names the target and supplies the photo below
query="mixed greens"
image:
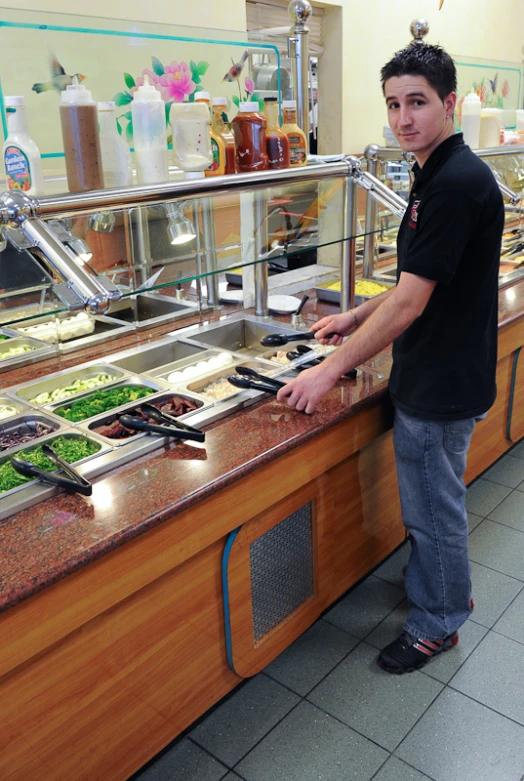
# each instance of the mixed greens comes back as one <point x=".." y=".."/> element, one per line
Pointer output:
<point x="71" y="449"/>
<point x="76" y="386"/>
<point x="102" y="401"/>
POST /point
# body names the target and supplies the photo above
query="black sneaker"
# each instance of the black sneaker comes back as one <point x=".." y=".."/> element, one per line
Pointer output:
<point x="408" y="653"/>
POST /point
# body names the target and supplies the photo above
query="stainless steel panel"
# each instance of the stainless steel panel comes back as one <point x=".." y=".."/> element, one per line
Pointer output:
<point x="27" y="424"/>
<point x="28" y="391"/>
<point x="135" y="381"/>
<point x="5" y="401"/>
<point x="155" y="359"/>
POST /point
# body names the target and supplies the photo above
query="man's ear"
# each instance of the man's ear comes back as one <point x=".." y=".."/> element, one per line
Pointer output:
<point x="450" y="103"/>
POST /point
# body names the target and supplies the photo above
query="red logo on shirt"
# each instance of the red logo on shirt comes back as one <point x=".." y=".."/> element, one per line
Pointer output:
<point x="413" y="215"/>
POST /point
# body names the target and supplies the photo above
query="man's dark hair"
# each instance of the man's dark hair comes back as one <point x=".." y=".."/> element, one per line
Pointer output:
<point x="422" y="59"/>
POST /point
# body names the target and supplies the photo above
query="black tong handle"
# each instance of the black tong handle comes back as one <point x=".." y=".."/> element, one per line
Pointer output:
<point x="245" y="371"/>
<point x="251" y="384"/>
<point x="75" y="482"/>
<point x="154" y="412"/>
<point x="138" y="424"/>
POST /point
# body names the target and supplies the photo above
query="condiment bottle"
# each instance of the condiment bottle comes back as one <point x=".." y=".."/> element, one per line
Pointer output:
<point x="470" y="123"/>
<point x="490" y="124"/>
<point x="220" y="125"/>
<point x="116" y="157"/>
<point x="296" y="136"/>
<point x="79" y="120"/>
<point x="191" y="136"/>
<point x="150" y="135"/>
<point x="23" y="164"/>
<point x="277" y="144"/>
<point x="249" y="130"/>
<point x="218" y="147"/>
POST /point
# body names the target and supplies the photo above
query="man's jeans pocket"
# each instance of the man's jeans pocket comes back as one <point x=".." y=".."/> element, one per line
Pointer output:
<point x="457" y="435"/>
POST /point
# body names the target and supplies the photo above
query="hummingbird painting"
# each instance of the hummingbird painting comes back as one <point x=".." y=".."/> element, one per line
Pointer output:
<point x="59" y="78"/>
<point x="235" y="70"/>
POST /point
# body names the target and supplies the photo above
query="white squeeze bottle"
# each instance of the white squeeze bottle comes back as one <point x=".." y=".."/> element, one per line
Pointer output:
<point x="470" y="124"/>
<point x="150" y="135"/>
<point x="23" y="164"/>
<point x="117" y="163"/>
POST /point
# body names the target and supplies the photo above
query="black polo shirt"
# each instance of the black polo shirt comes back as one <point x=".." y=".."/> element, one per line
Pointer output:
<point x="444" y="363"/>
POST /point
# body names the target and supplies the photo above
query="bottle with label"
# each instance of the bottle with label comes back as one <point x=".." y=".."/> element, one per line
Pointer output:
<point x="23" y="164"/>
<point x="218" y="147"/>
<point x="277" y="144"/>
<point x="249" y="130"/>
<point x="296" y="136"/>
<point x="79" y="120"/>
<point x="220" y="125"/>
<point x="116" y="157"/>
<point x="150" y="135"/>
<point x="191" y="136"/>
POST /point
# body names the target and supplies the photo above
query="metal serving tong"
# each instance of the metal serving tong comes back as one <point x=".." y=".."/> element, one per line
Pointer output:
<point x="167" y="425"/>
<point x="303" y="349"/>
<point x="251" y="379"/>
<point x="73" y="482"/>
<point x="278" y="340"/>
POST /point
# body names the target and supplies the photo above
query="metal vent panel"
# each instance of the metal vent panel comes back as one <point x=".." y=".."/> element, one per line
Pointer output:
<point x="281" y="563"/>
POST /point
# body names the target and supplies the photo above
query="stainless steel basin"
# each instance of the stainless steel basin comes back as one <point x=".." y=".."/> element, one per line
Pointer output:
<point x="147" y="309"/>
<point x="159" y="359"/>
<point x="239" y="336"/>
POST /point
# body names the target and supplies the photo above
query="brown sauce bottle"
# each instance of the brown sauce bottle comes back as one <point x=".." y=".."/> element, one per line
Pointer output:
<point x="249" y="131"/>
<point x="79" y="120"/>
<point x="277" y="144"/>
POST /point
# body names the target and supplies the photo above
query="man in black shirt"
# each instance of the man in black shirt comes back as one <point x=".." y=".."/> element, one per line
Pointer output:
<point x="442" y="320"/>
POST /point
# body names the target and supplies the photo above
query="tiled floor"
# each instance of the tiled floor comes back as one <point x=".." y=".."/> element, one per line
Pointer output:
<point x="324" y="711"/>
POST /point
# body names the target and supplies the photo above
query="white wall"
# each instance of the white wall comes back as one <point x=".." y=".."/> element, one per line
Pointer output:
<point x="219" y="14"/>
<point x="371" y="32"/>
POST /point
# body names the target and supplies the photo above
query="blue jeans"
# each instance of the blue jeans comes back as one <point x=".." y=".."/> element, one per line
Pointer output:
<point x="431" y="461"/>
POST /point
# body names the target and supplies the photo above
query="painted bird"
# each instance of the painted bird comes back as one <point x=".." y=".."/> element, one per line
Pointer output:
<point x="236" y="69"/>
<point x="59" y="78"/>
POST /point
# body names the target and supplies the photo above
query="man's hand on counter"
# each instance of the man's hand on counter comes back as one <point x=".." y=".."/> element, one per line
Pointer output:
<point x="304" y="392"/>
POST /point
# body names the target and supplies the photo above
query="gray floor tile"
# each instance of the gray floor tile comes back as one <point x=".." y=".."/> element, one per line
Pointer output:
<point x="381" y="706"/>
<point x="473" y="521"/>
<point x="483" y="496"/>
<point x="309" y="745"/>
<point x="230" y="777"/>
<point x="511" y="511"/>
<point x="365" y="606"/>
<point x="237" y="724"/>
<point x="390" y="627"/>
<point x="518" y="450"/>
<point x="460" y="740"/>
<point x="301" y="666"/>
<point x="396" y="770"/>
<point x="492" y="592"/>
<point x="498" y="547"/>
<point x="494" y="676"/>
<point x="507" y="471"/>
<point x="184" y="760"/>
<point x="445" y="665"/>
<point x="511" y="623"/>
<point x="392" y="569"/>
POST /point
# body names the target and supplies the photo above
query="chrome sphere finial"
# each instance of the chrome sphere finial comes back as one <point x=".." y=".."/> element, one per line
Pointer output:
<point x="419" y="28"/>
<point x="300" y="11"/>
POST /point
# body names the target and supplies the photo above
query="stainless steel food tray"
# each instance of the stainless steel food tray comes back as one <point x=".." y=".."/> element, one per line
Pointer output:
<point x="198" y="385"/>
<point x="133" y="380"/>
<point x="147" y="309"/>
<point x="24" y="424"/>
<point x="5" y="401"/>
<point x="158" y="357"/>
<point x="238" y="335"/>
<point x="106" y="328"/>
<point x="28" y="390"/>
<point x="33" y="492"/>
<point x="333" y="296"/>
<point x="38" y="351"/>
<point x="141" y="442"/>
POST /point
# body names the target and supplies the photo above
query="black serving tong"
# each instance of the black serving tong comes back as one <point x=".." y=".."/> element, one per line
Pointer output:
<point x="166" y="424"/>
<point x="303" y="349"/>
<point x="512" y="250"/>
<point x="279" y="340"/>
<point x="247" y="378"/>
<point x="73" y="482"/>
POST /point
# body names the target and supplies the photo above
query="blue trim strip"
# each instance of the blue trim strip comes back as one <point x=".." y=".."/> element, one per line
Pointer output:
<point x="512" y="393"/>
<point x="2" y="111"/>
<point x="225" y="592"/>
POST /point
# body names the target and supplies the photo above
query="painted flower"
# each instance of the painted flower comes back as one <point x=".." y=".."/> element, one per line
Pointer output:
<point x="505" y="89"/>
<point x="481" y="92"/>
<point x="176" y="82"/>
<point x="152" y="79"/>
<point x="250" y="85"/>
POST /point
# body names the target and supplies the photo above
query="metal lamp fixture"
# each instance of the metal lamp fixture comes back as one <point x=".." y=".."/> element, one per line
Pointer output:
<point x="180" y="230"/>
<point x="102" y="222"/>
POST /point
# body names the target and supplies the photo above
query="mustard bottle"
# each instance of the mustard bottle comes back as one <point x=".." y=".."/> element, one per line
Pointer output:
<point x="296" y="136"/>
<point x="218" y="146"/>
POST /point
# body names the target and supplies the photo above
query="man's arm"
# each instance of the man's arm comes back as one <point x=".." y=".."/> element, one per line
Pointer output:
<point x="398" y="309"/>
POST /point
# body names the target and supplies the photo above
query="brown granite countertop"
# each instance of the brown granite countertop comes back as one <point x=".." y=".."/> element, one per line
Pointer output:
<point x="47" y="542"/>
